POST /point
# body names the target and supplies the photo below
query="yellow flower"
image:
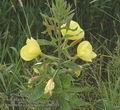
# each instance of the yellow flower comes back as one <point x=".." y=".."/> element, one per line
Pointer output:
<point x="73" y="32"/>
<point x="84" y="51"/>
<point x="49" y="87"/>
<point x="31" y="50"/>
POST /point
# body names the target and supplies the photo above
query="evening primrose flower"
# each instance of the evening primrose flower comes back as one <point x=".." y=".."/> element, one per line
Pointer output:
<point x="31" y="50"/>
<point x="84" y="51"/>
<point x="49" y="87"/>
<point x="73" y="32"/>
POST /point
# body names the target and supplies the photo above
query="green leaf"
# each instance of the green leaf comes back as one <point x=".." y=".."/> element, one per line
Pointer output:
<point x="58" y="84"/>
<point x="71" y="65"/>
<point x="76" y="102"/>
<point x="66" y="80"/>
<point x="63" y="104"/>
<point x="45" y="42"/>
<point x="73" y="68"/>
<point x="36" y="92"/>
<point x="2" y="80"/>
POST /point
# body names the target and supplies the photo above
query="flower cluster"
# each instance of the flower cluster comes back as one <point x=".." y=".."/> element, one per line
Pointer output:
<point x="70" y="31"/>
<point x="75" y="32"/>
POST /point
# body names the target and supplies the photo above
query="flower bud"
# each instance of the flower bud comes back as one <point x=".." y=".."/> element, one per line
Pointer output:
<point x="78" y="71"/>
<point x="30" y="81"/>
<point x="49" y="87"/>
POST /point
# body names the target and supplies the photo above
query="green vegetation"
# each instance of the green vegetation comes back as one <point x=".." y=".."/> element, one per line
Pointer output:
<point x="97" y="87"/>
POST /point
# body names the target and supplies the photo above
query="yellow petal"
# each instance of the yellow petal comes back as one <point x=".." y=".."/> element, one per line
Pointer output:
<point x="25" y="54"/>
<point x="94" y="55"/>
<point x="32" y="41"/>
<point x="31" y="50"/>
<point x="84" y="51"/>
<point x="74" y="32"/>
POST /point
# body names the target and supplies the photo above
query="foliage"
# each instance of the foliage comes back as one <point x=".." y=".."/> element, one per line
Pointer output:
<point x="97" y="87"/>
